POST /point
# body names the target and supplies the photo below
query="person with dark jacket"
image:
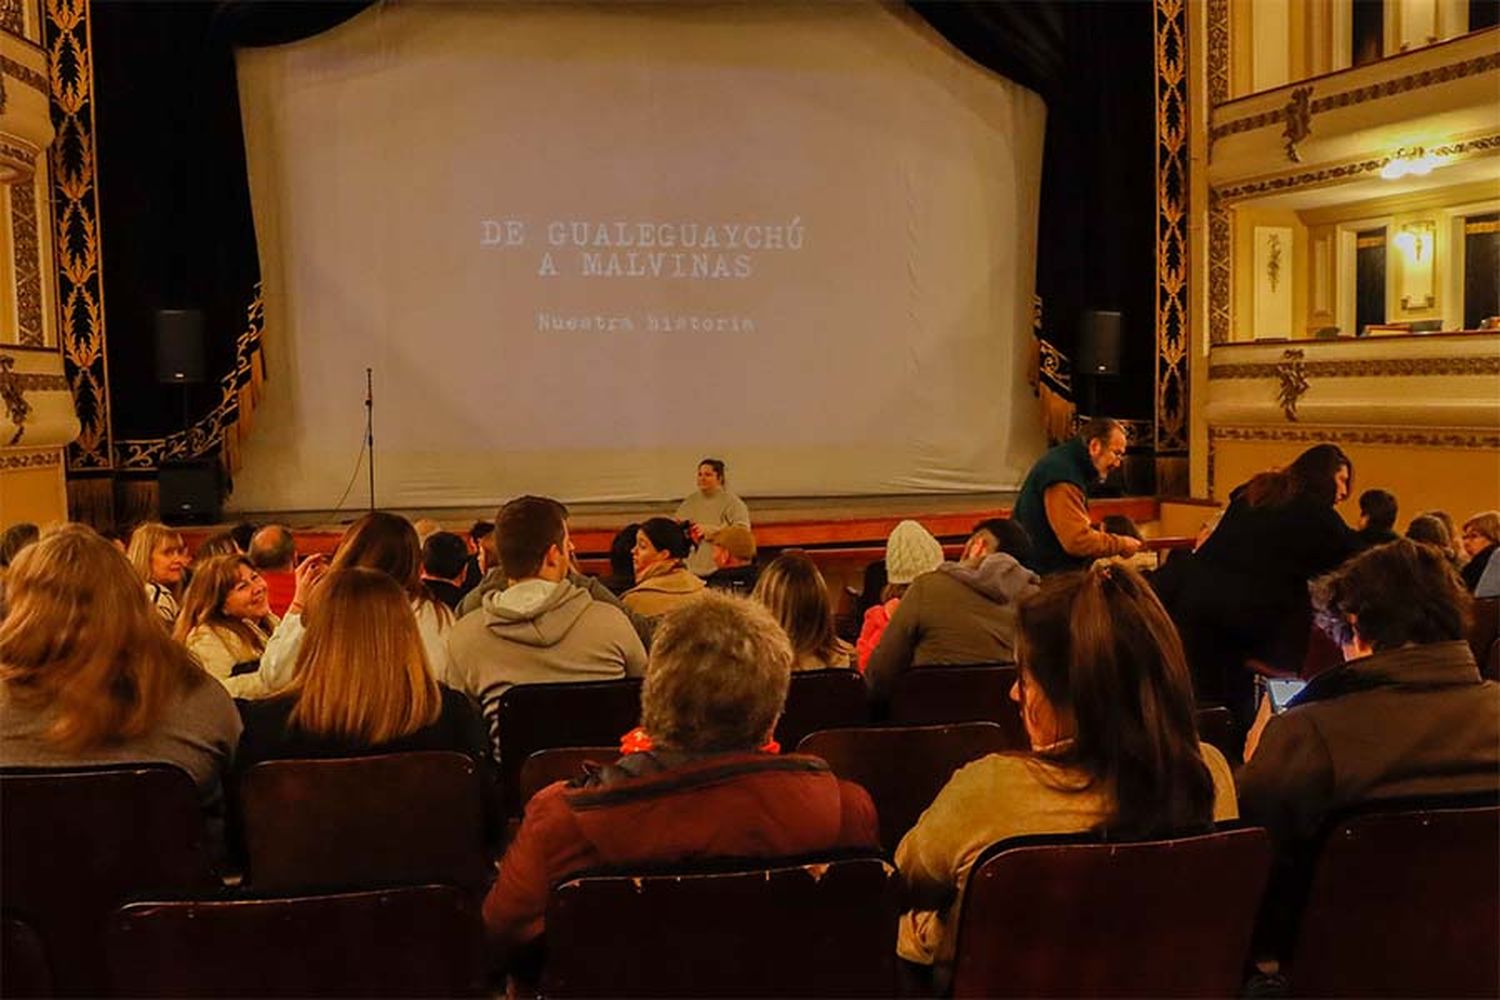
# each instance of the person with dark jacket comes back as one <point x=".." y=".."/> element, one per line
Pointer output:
<point x="1406" y="715"/>
<point x="1481" y="540"/>
<point x="718" y="676"/>
<point x="1246" y="593"/>
<point x="963" y="612"/>
<point x="1053" y="506"/>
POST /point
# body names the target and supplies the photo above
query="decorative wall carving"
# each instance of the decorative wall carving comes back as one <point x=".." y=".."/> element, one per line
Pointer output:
<point x="1365" y="368"/>
<point x="28" y="262"/>
<point x="1348" y="169"/>
<point x="12" y="19"/>
<point x="25" y="74"/>
<point x="35" y="460"/>
<point x="1298" y="122"/>
<point x="1346" y="98"/>
<point x="1171" y="436"/>
<point x="13" y="397"/>
<point x="1293" y="378"/>
<point x="1218" y="52"/>
<point x="76" y="211"/>
<point x="1220" y="270"/>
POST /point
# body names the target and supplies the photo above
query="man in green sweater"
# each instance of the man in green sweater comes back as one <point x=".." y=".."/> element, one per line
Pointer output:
<point x="1052" y="506"/>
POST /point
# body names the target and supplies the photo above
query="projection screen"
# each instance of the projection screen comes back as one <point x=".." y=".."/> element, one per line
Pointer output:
<point x="583" y="246"/>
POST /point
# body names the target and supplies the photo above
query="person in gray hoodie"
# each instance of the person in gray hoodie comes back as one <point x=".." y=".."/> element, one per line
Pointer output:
<point x="542" y="627"/>
<point x="963" y="612"/>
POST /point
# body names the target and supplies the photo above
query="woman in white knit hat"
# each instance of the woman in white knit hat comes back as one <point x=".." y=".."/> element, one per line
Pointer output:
<point x="910" y="551"/>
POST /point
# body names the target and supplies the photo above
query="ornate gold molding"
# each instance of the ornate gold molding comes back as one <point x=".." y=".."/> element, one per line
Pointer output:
<point x="1345" y="98"/>
<point x="80" y="289"/>
<point x="1218" y="52"/>
<point x="1346" y="170"/>
<point x="12" y="19"/>
<point x="22" y="73"/>
<point x="1363" y="368"/>
<point x="35" y="460"/>
<point x="1298" y="116"/>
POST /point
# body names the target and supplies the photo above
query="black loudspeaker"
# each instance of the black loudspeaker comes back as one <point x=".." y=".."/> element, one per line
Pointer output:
<point x="1098" y="344"/>
<point x="188" y="492"/>
<point x="179" y="345"/>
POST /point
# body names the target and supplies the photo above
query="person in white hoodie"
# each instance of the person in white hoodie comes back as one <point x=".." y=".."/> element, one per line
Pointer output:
<point x="541" y="628"/>
<point x="963" y="612"/>
<point x="379" y="541"/>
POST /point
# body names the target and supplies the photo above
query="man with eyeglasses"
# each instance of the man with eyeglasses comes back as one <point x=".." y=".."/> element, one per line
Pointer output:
<point x="1052" y="506"/>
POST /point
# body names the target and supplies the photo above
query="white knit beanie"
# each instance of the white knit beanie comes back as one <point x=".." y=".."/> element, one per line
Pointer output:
<point x="911" y="551"/>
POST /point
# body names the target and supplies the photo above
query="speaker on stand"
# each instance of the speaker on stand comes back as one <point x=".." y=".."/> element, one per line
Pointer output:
<point x="187" y="491"/>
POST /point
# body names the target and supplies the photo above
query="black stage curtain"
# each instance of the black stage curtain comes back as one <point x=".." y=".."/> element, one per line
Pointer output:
<point x="1094" y="62"/>
<point x="175" y="207"/>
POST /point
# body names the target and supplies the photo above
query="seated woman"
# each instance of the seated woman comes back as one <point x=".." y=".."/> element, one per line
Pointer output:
<point x="1481" y="540"/>
<point x="793" y="591"/>
<point x="161" y="560"/>
<point x="361" y="683"/>
<point x="662" y="581"/>
<point x="225" y="622"/>
<point x="379" y="541"/>
<point x="910" y="551"/>
<point x="714" y="688"/>
<point x="89" y="676"/>
<point x="1108" y="706"/>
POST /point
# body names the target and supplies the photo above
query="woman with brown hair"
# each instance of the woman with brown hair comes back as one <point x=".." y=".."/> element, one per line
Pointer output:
<point x="161" y="560"/>
<point x="89" y="676"/>
<point x="1243" y="603"/>
<point x="793" y="590"/>
<point x="1108" y="706"/>
<point x="662" y="579"/>
<point x="361" y="683"/>
<point x="379" y="541"/>
<point x="225" y="622"/>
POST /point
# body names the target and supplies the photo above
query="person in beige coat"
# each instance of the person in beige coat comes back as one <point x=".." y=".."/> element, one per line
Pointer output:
<point x="225" y="622"/>
<point x="662" y="580"/>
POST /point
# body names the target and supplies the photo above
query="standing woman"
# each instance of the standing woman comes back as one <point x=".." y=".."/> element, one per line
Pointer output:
<point x="225" y="622"/>
<point x="378" y="541"/>
<point x="662" y="581"/>
<point x="160" y="559"/>
<point x="1245" y="597"/>
<point x="793" y="591"/>
<point x="89" y="676"/>
<point x="706" y="511"/>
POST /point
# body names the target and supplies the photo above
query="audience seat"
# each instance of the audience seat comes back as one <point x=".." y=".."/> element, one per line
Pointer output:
<point x="536" y="717"/>
<point x="1216" y="728"/>
<point x="903" y="767"/>
<point x="413" y="941"/>
<point x="810" y="929"/>
<point x="926" y="696"/>
<point x="822" y="699"/>
<point x="1074" y="916"/>
<point x="24" y="971"/>
<point x="1485" y="630"/>
<point x="560" y="764"/>
<point x="393" y="819"/>
<point x="1404" y="902"/>
<point x="77" y="843"/>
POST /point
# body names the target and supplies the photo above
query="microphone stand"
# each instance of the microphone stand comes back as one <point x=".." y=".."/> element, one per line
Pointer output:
<point x="370" y="429"/>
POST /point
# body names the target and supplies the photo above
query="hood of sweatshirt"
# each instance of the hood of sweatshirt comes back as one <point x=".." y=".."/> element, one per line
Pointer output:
<point x="535" y="612"/>
<point x="998" y="577"/>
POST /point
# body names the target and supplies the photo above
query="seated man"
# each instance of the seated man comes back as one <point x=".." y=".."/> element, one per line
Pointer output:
<point x="1407" y="713"/>
<point x="1377" y="519"/>
<point x="963" y="612"/>
<point x="273" y="553"/>
<point x="541" y="627"/>
<point x="719" y="673"/>
<point x="734" y="555"/>
<point x="445" y="560"/>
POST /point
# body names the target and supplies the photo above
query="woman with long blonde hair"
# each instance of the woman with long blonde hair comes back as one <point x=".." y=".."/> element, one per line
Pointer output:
<point x="89" y="676"/>
<point x="379" y="541"/>
<point x="361" y="683"/>
<point x="225" y="622"/>
<point x="793" y="590"/>
<point x="161" y="560"/>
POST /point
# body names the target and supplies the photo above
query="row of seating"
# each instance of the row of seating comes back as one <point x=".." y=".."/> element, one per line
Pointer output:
<point x="1402" y="902"/>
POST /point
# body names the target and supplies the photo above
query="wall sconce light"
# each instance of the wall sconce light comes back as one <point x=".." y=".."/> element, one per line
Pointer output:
<point x="1416" y="240"/>
<point x="1415" y="161"/>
